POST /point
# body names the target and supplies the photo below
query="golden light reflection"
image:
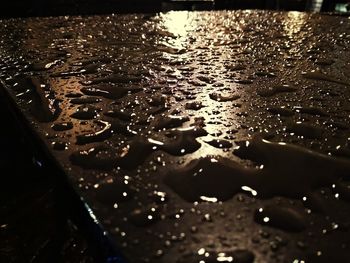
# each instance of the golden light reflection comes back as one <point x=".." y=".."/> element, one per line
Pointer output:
<point x="208" y="199"/>
<point x="183" y="27"/>
<point x="177" y="22"/>
<point x="294" y="22"/>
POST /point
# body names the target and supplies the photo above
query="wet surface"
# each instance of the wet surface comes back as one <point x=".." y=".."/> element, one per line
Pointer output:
<point x="221" y="137"/>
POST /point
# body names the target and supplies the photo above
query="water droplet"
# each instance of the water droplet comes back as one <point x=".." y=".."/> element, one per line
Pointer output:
<point x="271" y="91"/>
<point x="306" y="130"/>
<point x="113" y="191"/>
<point x="170" y="121"/>
<point x="311" y="110"/>
<point x="286" y="218"/>
<point x="98" y="136"/>
<point x="85" y="100"/>
<point x="195" y="105"/>
<point x="62" y="126"/>
<point x="59" y="146"/>
<point x="316" y="75"/>
<point x="99" y="157"/>
<point x="220" y="143"/>
<point x="282" y="111"/>
<point x="220" y="97"/>
<point x="143" y="217"/>
<point x="85" y="112"/>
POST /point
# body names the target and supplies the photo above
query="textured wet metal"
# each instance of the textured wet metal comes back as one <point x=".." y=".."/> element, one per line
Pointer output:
<point x="128" y="104"/>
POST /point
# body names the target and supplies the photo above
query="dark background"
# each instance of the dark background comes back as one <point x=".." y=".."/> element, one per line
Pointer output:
<point x="25" y="8"/>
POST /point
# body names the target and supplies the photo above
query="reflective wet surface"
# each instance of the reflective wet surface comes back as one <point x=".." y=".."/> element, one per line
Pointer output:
<point x="196" y="136"/>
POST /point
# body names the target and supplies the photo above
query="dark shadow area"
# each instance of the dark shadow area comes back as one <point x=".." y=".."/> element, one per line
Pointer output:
<point x="20" y="8"/>
<point x="33" y="225"/>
